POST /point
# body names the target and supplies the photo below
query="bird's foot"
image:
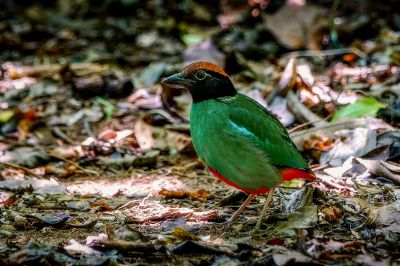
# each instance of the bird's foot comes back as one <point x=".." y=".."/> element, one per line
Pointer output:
<point x="225" y="227"/>
<point x="264" y="210"/>
<point x="255" y="230"/>
<point x="228" y="223"/>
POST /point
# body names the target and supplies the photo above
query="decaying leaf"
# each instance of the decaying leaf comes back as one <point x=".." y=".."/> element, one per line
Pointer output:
<point x="279" y="108"/>
<point x="391" y="139"/>
<point x="149" y="158"/>
<point x="101" y="204"/>
<point x="26" y="156"/>
<point x="150" y="137"/>
<point x="348" y="143"/>
<point x="157" y="212"/>
<point x="288" y="77"/>
<point x="108" y="84"/>
<point x="50" y="186"/>
<point x="381" y="168"/>
<point x="82" y="205"/>
<point x="200" y="194"/>
<point x="74" y="247"/>
<point x="151" y="74"/>
<point x="304" y="215"/>
<point x="331" y="214"/>
<point x="145" y="100"/>
<point x="87" y="224"/>
<point x="194" y="247"/>
<point x="317" y="144"/>
<point x="93" y="114"/>
<point x="7" y="199"/>
<point x="329" y="130"/>
<point x="304" y="29"/>
<point x="287" y="257"/>
<point x="182" y="234"/>
<point x="330" y="249"/>
<point x="61" y="172"/>
<point x="34" y="253"/>
<point x="125" y="240"/>
<point x="205" y="51"/>
<point x="53" y="219"/>
<point x="173" y="194"/>
<point x="386" y="218"/>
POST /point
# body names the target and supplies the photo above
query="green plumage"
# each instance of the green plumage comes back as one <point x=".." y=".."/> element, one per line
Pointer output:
<point x="242" y="141"/>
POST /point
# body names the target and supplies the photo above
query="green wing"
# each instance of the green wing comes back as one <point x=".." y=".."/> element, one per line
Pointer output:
<point x="258" y="124"/>
<point x="242" y="141"/>
<point x="239" y="158"/>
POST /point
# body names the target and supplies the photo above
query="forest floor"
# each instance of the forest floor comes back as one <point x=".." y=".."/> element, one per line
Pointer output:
<point x="96" y="161"/>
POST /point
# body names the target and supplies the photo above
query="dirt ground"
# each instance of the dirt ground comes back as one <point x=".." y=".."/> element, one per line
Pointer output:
<point x="96" y="161"/>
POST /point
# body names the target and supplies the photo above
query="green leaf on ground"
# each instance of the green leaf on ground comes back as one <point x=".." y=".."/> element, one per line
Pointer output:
<point x="367" y="106"/>
<point x="5" y="116"/>
<point x="107" y="105"/>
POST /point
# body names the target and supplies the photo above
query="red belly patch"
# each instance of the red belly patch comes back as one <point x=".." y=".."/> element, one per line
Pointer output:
<point x="287" y="175"/>
<point x="262" y="190"/>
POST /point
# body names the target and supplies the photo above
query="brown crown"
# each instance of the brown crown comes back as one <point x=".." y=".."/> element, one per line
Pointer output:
<point x="207" y="66"/>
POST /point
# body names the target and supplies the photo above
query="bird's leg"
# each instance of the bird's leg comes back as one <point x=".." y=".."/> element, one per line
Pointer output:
<point x="280" y="196"/>
<point x="265" y="207"/>
<point x="234" y="196"/>
<point x="236" y="214"/>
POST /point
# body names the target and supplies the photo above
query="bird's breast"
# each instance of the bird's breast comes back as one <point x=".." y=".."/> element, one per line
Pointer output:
<point x="207" y="120"/>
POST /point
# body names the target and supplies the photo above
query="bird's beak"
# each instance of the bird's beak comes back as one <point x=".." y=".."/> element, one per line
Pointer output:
<point x="176" y="81"/>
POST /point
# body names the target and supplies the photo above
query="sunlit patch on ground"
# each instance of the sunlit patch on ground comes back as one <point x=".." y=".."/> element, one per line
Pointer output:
<point x="97" y="166"/>
<point x="166" y="217"/>
<point x="140" y="186"/>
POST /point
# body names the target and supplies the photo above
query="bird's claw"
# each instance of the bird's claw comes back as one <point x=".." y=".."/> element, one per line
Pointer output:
<point x="226" y="226"/>
<point x="227" y="223"/>
<point x="254" y="232"/>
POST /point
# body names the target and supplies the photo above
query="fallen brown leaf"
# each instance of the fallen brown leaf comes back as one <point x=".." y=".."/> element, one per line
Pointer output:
<point x="200" y="194"/>
<point x="332" y="214"/>
<point x="7" y="199"/>
<point x="101" y="204"/>
<point x="304" y="29"/>
<point x="173" y="194"/>
<point x="316" y="144"/>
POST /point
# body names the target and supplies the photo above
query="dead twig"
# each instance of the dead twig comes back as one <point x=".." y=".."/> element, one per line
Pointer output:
<point x="128" y="204"/>
<point x="86" y="126"/>
<point x="301" y="112"/>
<point x="70" y="162"/>
<point x="307" y="124"/>
<point x="27" y="170"/>
<point x="58" y="132"/>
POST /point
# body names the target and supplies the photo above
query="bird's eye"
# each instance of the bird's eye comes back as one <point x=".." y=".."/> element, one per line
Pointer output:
<point x="200" y="75"/>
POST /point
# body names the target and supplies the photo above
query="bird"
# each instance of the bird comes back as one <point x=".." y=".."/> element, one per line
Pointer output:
<point x="241" y="143"/>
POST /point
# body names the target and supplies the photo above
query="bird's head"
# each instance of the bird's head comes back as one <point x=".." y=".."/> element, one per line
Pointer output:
<point x="204" y="81"/>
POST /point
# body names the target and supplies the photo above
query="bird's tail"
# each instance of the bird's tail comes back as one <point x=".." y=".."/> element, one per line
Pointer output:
<point x="294" y="173"/>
